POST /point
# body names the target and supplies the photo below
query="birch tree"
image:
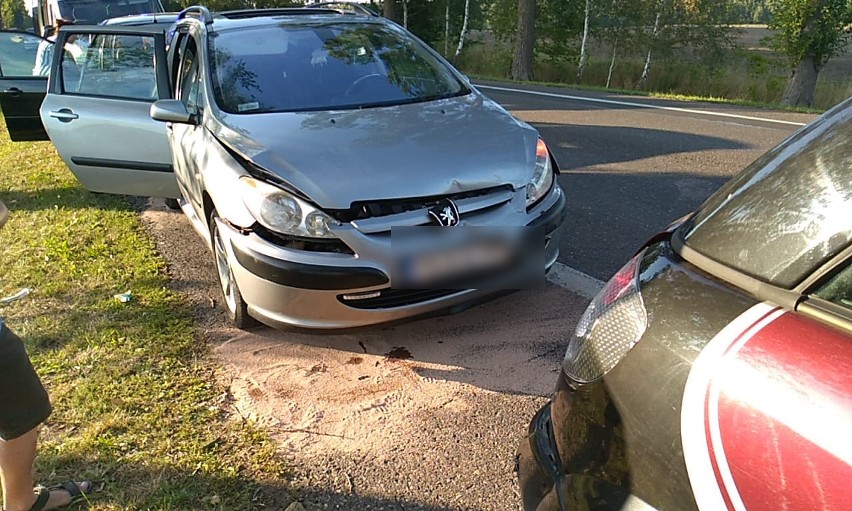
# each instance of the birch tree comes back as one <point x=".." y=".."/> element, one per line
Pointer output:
<point x="646" y="70"/>
<point x="581" y="68"/>
<point x="464" y="27"/>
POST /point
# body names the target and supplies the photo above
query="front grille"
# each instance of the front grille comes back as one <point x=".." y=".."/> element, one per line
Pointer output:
<point x="390" y="298"/>
<point x="370" y="209"/>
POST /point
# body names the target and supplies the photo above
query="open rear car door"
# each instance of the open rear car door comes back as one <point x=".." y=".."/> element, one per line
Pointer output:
<point x="22" y="86"/>
<point x="97" y="108"/>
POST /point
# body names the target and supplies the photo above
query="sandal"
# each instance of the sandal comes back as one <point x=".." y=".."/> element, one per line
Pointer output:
<point x="73" y="489"/>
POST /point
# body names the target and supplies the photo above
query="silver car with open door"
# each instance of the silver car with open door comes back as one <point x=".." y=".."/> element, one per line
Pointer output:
<point x="342" y="172"/>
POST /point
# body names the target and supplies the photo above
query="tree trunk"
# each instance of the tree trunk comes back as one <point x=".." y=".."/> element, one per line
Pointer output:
<point x="802" y="82"/>
<point x="522" y="62"/>
<point x="447" y="30"/>
<point x="581" y="69"/>
<point x="612" y="62"/>
<point x="647" y="69"/>
<point x="464" y="28"/>
<point x="405" y="13"/>
<point x="390" y="10"/>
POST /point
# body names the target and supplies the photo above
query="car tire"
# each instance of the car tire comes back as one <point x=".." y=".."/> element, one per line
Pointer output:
<point x="232" y="300"/>
<point x="173" y="204"/>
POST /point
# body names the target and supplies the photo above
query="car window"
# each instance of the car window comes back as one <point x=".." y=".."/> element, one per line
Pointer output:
<point x="324" y="66"/>
<point x="118" y="66"/>
<point x="175" y="55"/>
<point x="19" y="52"/>
<point x="789" y="212"/>
<point x="186" y="71"/>
<point x="839" y="288"/>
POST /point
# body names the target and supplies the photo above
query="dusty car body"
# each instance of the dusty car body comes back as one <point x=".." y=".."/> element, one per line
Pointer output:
<point x="714" y="371"/>
<point x="296" y="141"/>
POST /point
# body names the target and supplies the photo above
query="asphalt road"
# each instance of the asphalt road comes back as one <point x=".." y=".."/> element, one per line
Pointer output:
<point x="629" y="171"/>
<point x="427" y="415"/>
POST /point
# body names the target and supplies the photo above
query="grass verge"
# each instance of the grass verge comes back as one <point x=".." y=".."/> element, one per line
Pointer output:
<point x="744" y="78"/>
<point x="651" y="94"/>
<point x="137" y="406"/>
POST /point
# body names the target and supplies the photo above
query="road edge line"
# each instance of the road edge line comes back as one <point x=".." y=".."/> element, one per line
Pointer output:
<point x="574" y="280"/>
<point x="639" y="105"/>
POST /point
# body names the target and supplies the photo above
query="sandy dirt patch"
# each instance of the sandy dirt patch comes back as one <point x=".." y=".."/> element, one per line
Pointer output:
<point x="424" y="415"/>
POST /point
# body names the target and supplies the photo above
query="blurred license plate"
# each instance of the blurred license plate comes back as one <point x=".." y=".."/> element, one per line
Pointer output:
<point x="456" y="263"/>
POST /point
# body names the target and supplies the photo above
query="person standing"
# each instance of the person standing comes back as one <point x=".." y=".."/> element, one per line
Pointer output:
<point x="44" y="54"/>
<point x="24" y="405"/>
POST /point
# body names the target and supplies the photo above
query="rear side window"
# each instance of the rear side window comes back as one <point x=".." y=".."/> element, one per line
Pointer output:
<point x="19" y="53"/>
<point x="786" y="214"/>
<point x="324" y="66"/>
<point x="113" y="65"/>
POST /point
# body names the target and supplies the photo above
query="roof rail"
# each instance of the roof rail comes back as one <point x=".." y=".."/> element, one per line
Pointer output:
<point x="280" y="11"/>
<point x="197" y="11"/>
<point x="350" y="5"/>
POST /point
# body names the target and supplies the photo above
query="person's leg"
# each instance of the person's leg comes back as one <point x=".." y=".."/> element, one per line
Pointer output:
<point x="16" y="471"/>
<point x="23" y="406"/>
<point x="16" y="474"/>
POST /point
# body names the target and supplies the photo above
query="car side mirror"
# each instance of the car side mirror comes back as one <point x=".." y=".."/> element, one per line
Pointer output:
<point x="171" y="110"/>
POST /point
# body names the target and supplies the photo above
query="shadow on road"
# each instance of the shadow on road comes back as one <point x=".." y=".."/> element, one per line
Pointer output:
<point x="586" y="146"/>
<point x="605" y="229"/>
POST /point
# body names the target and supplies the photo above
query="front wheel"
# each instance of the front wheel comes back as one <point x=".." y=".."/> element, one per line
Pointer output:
<point x="233" y="302"/>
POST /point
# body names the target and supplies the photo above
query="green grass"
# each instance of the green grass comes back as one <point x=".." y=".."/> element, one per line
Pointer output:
<point x="137" y="406"/>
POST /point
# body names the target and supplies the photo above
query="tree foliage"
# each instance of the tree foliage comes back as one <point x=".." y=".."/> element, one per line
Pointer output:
<point x="12" y="13"/>
<point x="818" y="29"/>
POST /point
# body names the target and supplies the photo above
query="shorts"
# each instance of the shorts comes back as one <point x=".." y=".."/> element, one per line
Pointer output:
<point x="23" y="401"/>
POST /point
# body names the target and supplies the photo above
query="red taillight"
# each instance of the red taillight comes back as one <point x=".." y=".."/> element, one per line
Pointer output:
<point x="611" y="325"/>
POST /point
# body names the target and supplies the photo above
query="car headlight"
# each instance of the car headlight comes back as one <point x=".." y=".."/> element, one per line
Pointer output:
<point x="284" y="213"/>
<point x="543" y="177"/>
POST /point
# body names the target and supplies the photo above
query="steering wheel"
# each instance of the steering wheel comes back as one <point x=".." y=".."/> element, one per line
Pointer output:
<point x="364" y="79"/>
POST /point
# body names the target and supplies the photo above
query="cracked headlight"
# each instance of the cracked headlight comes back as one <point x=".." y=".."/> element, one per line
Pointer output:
<point x="283" y="212"/>
<point x="542" y="179"/>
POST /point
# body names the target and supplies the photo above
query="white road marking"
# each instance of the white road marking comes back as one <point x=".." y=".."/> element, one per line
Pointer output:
<point x="574" y="280"/>
<point x="639" y="105"/>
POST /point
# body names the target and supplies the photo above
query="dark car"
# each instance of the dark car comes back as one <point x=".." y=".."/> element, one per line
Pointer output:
<point x="714" y="370"/>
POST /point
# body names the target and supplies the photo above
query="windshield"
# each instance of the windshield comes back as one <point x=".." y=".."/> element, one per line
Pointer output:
<point x="324" y="67"/>
<point x="89" y="12"/>
<point x="789" y="212"/>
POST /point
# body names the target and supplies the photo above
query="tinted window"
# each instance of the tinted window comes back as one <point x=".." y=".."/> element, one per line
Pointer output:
<point x="839" y="289"/>
<point x="19" y="52"/>
<point x="787" y="213"/>
<point x="324" y="66"/>
<point x="120" y="66"/>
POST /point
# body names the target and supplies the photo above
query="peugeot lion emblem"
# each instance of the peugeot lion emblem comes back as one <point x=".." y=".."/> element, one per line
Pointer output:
<point x="445" y="213"/>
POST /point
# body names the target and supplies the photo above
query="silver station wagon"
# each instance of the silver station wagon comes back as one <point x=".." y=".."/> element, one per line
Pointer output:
<point x="342" y="173"/>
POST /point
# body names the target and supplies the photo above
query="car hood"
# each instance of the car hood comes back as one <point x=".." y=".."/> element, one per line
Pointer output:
<point x="426" y="149"/>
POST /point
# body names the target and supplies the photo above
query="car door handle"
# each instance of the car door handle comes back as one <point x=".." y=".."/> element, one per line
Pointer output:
<point x="64" y="115"/>
<point x="13" y="91"/>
